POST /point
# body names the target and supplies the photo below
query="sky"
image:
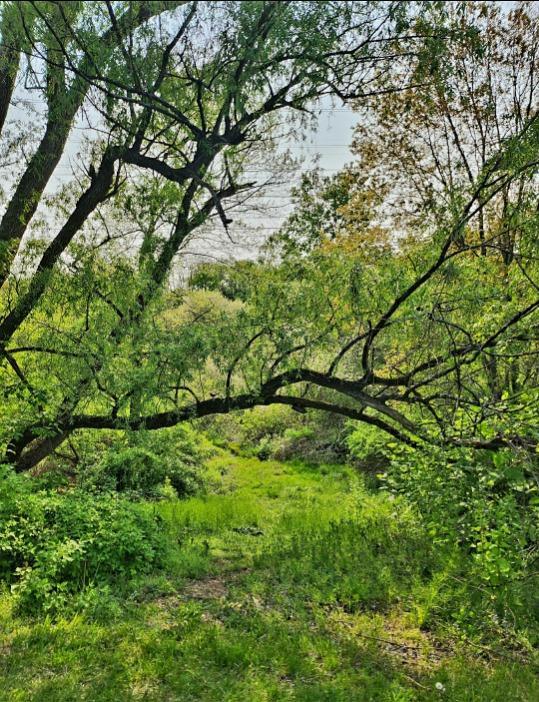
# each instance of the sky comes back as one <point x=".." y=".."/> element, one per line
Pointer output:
<point x="328" y="146"/>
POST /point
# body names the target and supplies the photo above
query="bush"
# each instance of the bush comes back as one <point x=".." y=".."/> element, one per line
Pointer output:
<point x="483" y="502"/>
<point x="369" y="447"/>
<point x="55" y="547"/>
<point x="280" y="432"/>
<point x="183" y="452"/>
<point x="144" y="463"/>
<point x="486" y="504"/>
<point x="265" y="448"/>
<point x="132" y="469"/>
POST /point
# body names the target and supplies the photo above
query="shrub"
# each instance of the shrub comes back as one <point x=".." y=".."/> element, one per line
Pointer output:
<point x="265" y="448"/>
<point x="481" y="501"/>
<point x="369" y="447"/>
<point x="280" y="432"/>
<point x="263" y="422"/>
<point x="487" y="505"/>
<point x="183" y="452"/>
<point x="143" y="464"/>
<point x="54" y="547"/>
<point x="131" y="469"/>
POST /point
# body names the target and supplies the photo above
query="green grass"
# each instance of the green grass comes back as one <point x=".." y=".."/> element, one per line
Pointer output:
<point x="287" y="583"/>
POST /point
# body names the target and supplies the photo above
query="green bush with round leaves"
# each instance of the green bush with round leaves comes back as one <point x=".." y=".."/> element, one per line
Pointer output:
<point x="56" y="546"/>
<point x="142" y="464"/>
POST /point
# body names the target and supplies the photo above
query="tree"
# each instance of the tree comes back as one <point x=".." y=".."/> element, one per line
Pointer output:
<point x="448" y="321"/>
<point x="425" y="146"/>
<point x="184" y="94"/>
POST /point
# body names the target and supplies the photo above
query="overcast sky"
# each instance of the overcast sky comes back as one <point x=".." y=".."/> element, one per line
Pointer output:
<point x="328" y="145"/>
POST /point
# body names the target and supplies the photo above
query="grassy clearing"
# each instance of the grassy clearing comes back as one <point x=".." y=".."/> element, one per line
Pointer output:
<point x="287" y="583"/>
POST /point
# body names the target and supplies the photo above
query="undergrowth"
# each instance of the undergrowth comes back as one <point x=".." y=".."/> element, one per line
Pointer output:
<point x="283" y="582"/>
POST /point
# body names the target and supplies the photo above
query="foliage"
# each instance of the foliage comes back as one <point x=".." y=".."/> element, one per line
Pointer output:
<point x="142" y="464"/>
<point x="234" y="281"/>
<point x="282" y="433"/>
<point x="425" y="146"/>
<point x="276" y="615"/>
<point x="400" y="295"/>
<point x="67" y="550"/>
<point x="132" y="469"/>
<point x="326" y="207"/>
<point x="179" y="124"/>
<point x="369" y="447"/>
<point x="416" y="325"/>
<point x="488" y="505"/>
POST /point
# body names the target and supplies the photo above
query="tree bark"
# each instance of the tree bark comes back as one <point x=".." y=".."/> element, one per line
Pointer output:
<point x="10" y="50"/>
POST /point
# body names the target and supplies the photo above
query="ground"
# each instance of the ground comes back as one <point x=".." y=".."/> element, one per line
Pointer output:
<point x="287" y="583"/>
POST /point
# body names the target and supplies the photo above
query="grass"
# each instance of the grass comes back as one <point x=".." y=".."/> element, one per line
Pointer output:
<point x="287" y="583"/>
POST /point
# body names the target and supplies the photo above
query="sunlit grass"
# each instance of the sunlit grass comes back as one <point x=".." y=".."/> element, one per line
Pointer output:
<point x="287" y="583"/>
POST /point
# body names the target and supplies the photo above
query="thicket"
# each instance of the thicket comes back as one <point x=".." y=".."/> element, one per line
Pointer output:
<point x="69" y="551"/>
